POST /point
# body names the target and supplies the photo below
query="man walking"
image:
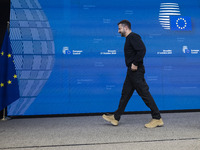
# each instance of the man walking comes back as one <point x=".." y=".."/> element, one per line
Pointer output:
<point x="134" y="51"/>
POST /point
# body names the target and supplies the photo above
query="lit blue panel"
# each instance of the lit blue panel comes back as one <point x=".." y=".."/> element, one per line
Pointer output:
<point x="69" y="55"/>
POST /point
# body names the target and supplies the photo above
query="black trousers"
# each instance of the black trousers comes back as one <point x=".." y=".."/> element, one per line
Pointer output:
<point x="135" y="81"/>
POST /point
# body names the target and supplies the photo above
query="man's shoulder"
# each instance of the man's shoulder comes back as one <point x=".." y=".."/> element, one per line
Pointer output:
<point x="135" y="35"/>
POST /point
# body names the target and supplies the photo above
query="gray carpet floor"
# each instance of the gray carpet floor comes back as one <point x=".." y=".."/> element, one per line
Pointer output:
<point x="180" y="132"/>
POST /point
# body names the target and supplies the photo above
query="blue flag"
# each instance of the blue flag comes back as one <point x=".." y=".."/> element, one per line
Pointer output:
<point x="9" y="88"/>
<point x="180" y="23"/>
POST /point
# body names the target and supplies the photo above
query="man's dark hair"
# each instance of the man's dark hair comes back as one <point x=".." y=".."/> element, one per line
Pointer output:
<point x="126" y="23"/>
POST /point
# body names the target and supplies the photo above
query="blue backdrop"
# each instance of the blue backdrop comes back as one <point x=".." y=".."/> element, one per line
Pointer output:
<point x="69" y="55"/>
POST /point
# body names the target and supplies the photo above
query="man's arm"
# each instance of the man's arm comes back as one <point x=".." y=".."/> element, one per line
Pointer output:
<point x="140" y="49"/>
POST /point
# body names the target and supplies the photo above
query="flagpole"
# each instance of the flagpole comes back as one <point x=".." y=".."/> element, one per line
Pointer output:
<point x="5" y="118"/>
<point x="4" y="115"/>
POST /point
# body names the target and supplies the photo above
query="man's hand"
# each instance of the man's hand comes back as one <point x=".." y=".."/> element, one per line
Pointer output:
<point x="133" y="67"/>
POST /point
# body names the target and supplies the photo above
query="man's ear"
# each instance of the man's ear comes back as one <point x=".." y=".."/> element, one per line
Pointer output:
<point x="126" y="27"/>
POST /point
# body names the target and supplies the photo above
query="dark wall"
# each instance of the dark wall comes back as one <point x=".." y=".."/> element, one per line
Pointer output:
<point x="4" y="17"/>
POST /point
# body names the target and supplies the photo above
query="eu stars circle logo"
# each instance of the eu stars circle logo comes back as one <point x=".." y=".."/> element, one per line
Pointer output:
<point x="181" y="23"/>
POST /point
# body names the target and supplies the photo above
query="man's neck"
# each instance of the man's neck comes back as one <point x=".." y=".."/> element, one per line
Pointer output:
<point x="128" y="32"/>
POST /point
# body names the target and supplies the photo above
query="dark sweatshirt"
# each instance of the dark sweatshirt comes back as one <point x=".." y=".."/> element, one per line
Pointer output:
<point x="134" y="50"/>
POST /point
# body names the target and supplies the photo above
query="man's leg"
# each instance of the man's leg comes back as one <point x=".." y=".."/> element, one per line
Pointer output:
<point x="127" y="92"/>
<point x="143" y="91"/>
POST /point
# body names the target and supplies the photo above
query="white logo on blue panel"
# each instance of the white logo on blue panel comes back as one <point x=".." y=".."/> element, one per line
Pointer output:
<point x="66" y="50"/>
<point x="167" y="10"/>
<point x="186" y="50"/>
<point x="170" y="18"/>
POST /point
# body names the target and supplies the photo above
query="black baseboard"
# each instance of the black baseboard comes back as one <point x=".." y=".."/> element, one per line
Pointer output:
<point x="99" y="114"/>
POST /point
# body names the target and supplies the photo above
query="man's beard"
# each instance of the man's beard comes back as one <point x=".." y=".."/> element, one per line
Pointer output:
<point x="123" y="34"/>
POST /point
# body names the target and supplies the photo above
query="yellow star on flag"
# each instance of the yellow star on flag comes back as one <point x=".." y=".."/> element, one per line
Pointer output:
<point x="9" y="82"/>
<point x="9" y="55"/>
<point x="2" y="53"/>
<point x="2" y="85"/>
<point x="15" y="76"/>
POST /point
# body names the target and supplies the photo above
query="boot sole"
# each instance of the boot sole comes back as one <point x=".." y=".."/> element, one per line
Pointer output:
<point x="160" y="125"/>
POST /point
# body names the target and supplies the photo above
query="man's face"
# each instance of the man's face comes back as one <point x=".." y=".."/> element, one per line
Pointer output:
<point x="121" y="30"/>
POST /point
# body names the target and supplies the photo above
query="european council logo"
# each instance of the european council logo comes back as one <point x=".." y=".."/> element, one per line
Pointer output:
<point x="181" y="23"/>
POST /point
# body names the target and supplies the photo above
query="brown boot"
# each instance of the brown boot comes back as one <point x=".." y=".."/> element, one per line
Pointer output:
<point x="111" y="119"/>
<point x="155" y="123"/>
